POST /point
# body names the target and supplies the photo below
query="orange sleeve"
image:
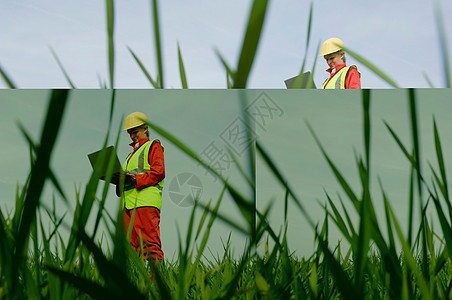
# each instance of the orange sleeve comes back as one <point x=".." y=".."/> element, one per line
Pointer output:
<point x="353" y="79"/>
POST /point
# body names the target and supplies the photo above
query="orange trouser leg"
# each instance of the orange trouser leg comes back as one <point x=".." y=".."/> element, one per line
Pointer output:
<point x="146" y="224"/>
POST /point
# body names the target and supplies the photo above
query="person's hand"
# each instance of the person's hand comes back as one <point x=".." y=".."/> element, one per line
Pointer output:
<point x="131" y="175"/>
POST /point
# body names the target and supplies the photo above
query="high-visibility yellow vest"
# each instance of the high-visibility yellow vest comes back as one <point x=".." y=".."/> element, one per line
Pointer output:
<point x="139" y="164"/>
<point x="338" y="80"/>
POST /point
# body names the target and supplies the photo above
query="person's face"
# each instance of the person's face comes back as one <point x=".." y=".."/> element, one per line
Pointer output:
<point x="137" y="133"/>
<point x="334" y="59"/>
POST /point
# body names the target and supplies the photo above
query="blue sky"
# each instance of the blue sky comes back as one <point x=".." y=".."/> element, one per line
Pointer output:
<point x="400" y="37"/>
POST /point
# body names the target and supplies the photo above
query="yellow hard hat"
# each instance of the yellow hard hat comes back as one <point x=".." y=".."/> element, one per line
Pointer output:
<point x="330" y="46"/>
<point x="133" y="120"/>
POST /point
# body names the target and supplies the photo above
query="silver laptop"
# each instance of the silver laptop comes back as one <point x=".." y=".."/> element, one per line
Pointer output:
<point x="306" y="82"/>
<point x="102" y="166"/>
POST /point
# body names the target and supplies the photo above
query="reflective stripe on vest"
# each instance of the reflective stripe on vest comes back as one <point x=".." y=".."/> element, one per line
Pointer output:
<point x="139" y="164"/>
<point x="338" y="79"/>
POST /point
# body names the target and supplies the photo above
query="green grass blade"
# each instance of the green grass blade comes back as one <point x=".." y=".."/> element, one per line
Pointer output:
<point x="417" y="158"/>
<point x="110" y="10"/>
<point x="401" y="146"/>
<point x="343" y="282"/>
<point x="430" y="246"/>
<point x="228" y="81"/>
<point x="164" y="291"/>
<point x="364" y="235"/>
<point x="60" y="65"/>
<point x="102" y="83"/>
<point x="286" y="204"/>
<point x="365" y="217"/>
<point x="112" y="108"/>
<point x="115" y="276"/>
<point x="20" y="201"/>
<point x="250" y="43"/>
<point x="388" y="217"/>
<point x="445" y="226"/>
<point x="34" y="280"/>
<point x="443" y="43"/>
<point x="411" y="208"/>
<point x="345" y="186"/>
<point x="372" y="67"/>
<point x="213" y="216"/>
<point x="338" y="220"/>
<point x="240" y="169"/>
<point x="415" y="138"/>
<point x="81" y="216"/>
<point x="183" y="77"/>
<point x="39" y="173"/>
<point x="203" y="219"/>
<point x="409" y="259"/>
<point x="108" y="177"/>
<point x="82" y="212"/>
<point x="265" y="225"/>
<point x="389" y="256"/>
<point x="158" y="45"/>
<point x="440" y="262"/>
<point x="308" y="38"/>
<point x="233" y="224"/>
<point x="246" y="206"/>
<point x="206" y="233"/>
<point x="429" y="81"/>
<point x="442" y="168"/>
<point x="52" y="176"/>
<point x="251" y="158"/>
<point x="190" y="231"/>
<point x="7" y="79"/>
<point x="229" y="72"/>
<point x="347" y="216"/>
<point x="231" y="286"/>
<point x="153" y="82"/>
<point x="5" y="235"/>
<point x="85" y="286"/>
<point x="121" y="243"/>
<point x="55" y="222"/>
<point x="442" y="188"/>
<point x="54" y="284"/>
<point x="270" y="163"/>
<point x="366" y="114"/>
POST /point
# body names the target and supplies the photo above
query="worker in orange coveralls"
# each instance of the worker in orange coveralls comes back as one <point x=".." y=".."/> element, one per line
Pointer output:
<point x="341" y="76"/>
<point x="145" y="173"/>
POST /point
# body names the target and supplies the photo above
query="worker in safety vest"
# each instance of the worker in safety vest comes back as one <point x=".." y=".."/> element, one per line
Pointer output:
<point x="145" y="169"/>
<point x="341" y="76"/>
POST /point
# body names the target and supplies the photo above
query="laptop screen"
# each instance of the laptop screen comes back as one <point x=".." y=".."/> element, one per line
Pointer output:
<point x="102" y="166"/>
<point x="305" y="81"/>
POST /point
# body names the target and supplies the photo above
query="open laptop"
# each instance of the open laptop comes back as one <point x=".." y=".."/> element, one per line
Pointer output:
<point x="306" y="78"/>
<point x="102" y="166"/>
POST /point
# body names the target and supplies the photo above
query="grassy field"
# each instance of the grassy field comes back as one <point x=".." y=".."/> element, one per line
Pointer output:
<point x="381" y="262"/>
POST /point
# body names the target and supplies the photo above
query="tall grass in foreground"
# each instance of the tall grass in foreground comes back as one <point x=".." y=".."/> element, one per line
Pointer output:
<point x="39" y="263"/>
<point x="382" y="262"/>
